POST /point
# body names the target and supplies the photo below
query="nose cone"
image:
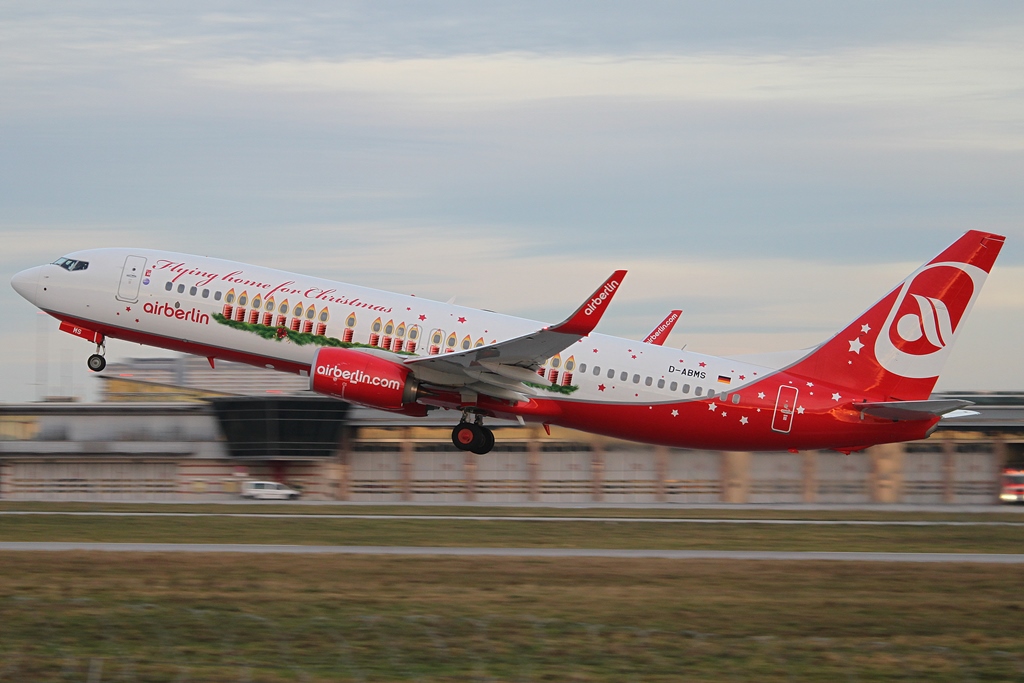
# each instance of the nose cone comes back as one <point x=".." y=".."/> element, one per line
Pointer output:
<point x="25" y="282"/>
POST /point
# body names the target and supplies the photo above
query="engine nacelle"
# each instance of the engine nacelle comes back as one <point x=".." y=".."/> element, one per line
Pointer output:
<point x="360" y="378"/>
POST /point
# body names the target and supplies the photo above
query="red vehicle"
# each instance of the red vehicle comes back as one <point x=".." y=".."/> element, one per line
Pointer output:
<point x="1012" y="489"/>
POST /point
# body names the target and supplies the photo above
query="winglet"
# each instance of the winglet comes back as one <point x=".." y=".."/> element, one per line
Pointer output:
<point x="660" y="333"/>
<point x="586" y="317"/>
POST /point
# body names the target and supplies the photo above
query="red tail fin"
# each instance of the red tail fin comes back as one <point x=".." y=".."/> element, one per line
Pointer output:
<point x="896" y="349"/>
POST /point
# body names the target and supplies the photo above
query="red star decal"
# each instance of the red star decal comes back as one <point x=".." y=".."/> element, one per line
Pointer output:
<point x="462" y="320"/>
<point x="743" y="376"/>
<point x="423" y="317"/>
<point x="629" y="350"/>
<point x="128" y="309"/>
<point x="702" y="364"/>
<point x="634" y="356"/>
<point x="408" y="308"/>
<point x="136" y="320"/>
<point x="600" y="387"/>
<point x="595" y="350"/>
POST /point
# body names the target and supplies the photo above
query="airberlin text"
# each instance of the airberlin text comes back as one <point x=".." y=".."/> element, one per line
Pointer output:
<point x="193" y="315"/>
<point x="357" y="377"/>
<point x="688" y="372"/>
<point x="596" y="302"/>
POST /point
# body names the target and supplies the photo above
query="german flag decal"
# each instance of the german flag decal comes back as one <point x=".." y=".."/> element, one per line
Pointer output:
<point x="722" y="379"/>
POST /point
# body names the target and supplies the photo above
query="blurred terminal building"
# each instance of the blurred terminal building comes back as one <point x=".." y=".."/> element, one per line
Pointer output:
<point x="177" y="429"/>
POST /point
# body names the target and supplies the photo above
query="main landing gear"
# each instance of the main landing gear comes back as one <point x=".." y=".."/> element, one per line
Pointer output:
<point x="473" y="436"/>
<point x="96" y="361"/>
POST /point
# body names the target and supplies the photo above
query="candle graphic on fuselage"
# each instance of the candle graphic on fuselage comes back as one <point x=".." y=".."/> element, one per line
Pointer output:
<point x="229" y="299"/>
<point x="399" y="337"/>
<point x="240" y="311"/>
<point x="570" y="366"/>
<point x="350" y="327"/>
<point x="375" y="331"/>
<point x="322" y="318"/>
<point x="254" y="314"/>
<point x="389" y="329"/>
<point x="307" y="325"/>
<point x="436" y="339"/>
<point x="451" y="343"/>
<point x="268" y="312"/>
<point x="414" y="337"/>
<point x="556" y="362"/>
<point x="297" y="316"/>
<point x="282" y="314"/>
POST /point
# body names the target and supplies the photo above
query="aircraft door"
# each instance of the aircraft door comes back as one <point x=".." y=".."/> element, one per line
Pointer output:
<point x="785" y="409"/>
<point x="131" y="278"/>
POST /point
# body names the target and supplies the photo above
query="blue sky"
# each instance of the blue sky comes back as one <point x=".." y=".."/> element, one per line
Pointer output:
<point x="771" y="169"/>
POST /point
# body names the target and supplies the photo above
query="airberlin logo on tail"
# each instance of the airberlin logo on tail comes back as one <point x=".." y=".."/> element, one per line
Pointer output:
<point x="357" y="377"/>
<point x="599" y="300"/>
<point x="922" y="325"/>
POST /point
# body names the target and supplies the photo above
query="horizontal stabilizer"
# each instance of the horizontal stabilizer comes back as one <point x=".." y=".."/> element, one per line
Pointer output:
<point x="913" y="410"/>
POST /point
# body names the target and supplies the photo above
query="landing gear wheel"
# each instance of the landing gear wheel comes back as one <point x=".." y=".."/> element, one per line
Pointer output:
<point x="488" y="441"/>
<point x="466" y="435"/>
<point x="97" y="362"/>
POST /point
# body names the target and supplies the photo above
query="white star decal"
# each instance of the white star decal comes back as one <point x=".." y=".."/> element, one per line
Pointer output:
<point x="836" y="396"/>
<point x="760" y="395"/>
<point x="711" y="406"/>
<point x="743" y="420"/>
<point x="800" y="410"/>
<point x="724" y="413"/>
<point x="675" y="413"/>
<point x="810" y="384"/>
<point x="865" y="328"/>
<point x="856" y="345"/>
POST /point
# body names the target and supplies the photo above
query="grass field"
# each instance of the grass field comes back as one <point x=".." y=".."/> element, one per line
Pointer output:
<point x="532" y="534"/>
<point x="70" y="616"/>
<point x="102" y="616"/>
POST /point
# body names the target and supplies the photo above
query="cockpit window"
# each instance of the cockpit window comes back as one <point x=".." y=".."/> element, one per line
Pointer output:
<point x="71" y="264"/>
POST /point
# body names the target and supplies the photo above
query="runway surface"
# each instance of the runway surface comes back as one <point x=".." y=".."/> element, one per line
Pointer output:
<point x="565" y="553"/>
<point x="517" y="518"/>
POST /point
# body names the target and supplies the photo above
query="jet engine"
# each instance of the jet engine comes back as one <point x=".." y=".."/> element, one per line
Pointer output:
<point x="360" y="378"/>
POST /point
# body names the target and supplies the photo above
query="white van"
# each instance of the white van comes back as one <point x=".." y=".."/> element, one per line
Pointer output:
<point x="268" y="490"/>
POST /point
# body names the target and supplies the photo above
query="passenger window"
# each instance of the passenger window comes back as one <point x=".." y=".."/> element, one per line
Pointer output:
<point x="636" y="379"/>
<point x="181" y="289"/>
<point x="624" y="376"/>
<point x="711" y="393"/>
<point x="597" y="370"/>
<point x="672" y="387"/>
<point x="192" y="291"/>
<point x="686" y="388"/>
<point x="216" y="296"/>
<point x="611" y="374"/>
<point x="169" y="286"/>
<point x="583" y="367"/>
<point x="648" y="381"/>
<point x="736" y="398"/>
<point x="661" y="384"/>
<point x="698" y="391"/>
<point x="206" y="294"/>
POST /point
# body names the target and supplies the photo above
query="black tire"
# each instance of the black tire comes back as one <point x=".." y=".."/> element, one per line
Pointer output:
<point x="96" y="362"/>
<point x="486" y="442"/>
<point x="465" y="436"/>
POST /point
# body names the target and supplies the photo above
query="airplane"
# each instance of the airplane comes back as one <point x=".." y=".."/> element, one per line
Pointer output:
<point x="868" y="384"/>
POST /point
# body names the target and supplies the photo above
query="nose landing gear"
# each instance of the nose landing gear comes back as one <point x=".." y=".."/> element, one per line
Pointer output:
<point x="96" y="361"/>
<point x="473" y="436"/>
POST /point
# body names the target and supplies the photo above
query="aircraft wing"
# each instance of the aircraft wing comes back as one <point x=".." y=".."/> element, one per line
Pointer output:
<point x="916" y="410"/>
<point x="660" y="333"/>
<point x="500" y="369"/>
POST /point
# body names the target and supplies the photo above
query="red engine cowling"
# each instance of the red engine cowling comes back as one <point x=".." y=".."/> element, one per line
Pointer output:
<point x="358" y="377"/>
